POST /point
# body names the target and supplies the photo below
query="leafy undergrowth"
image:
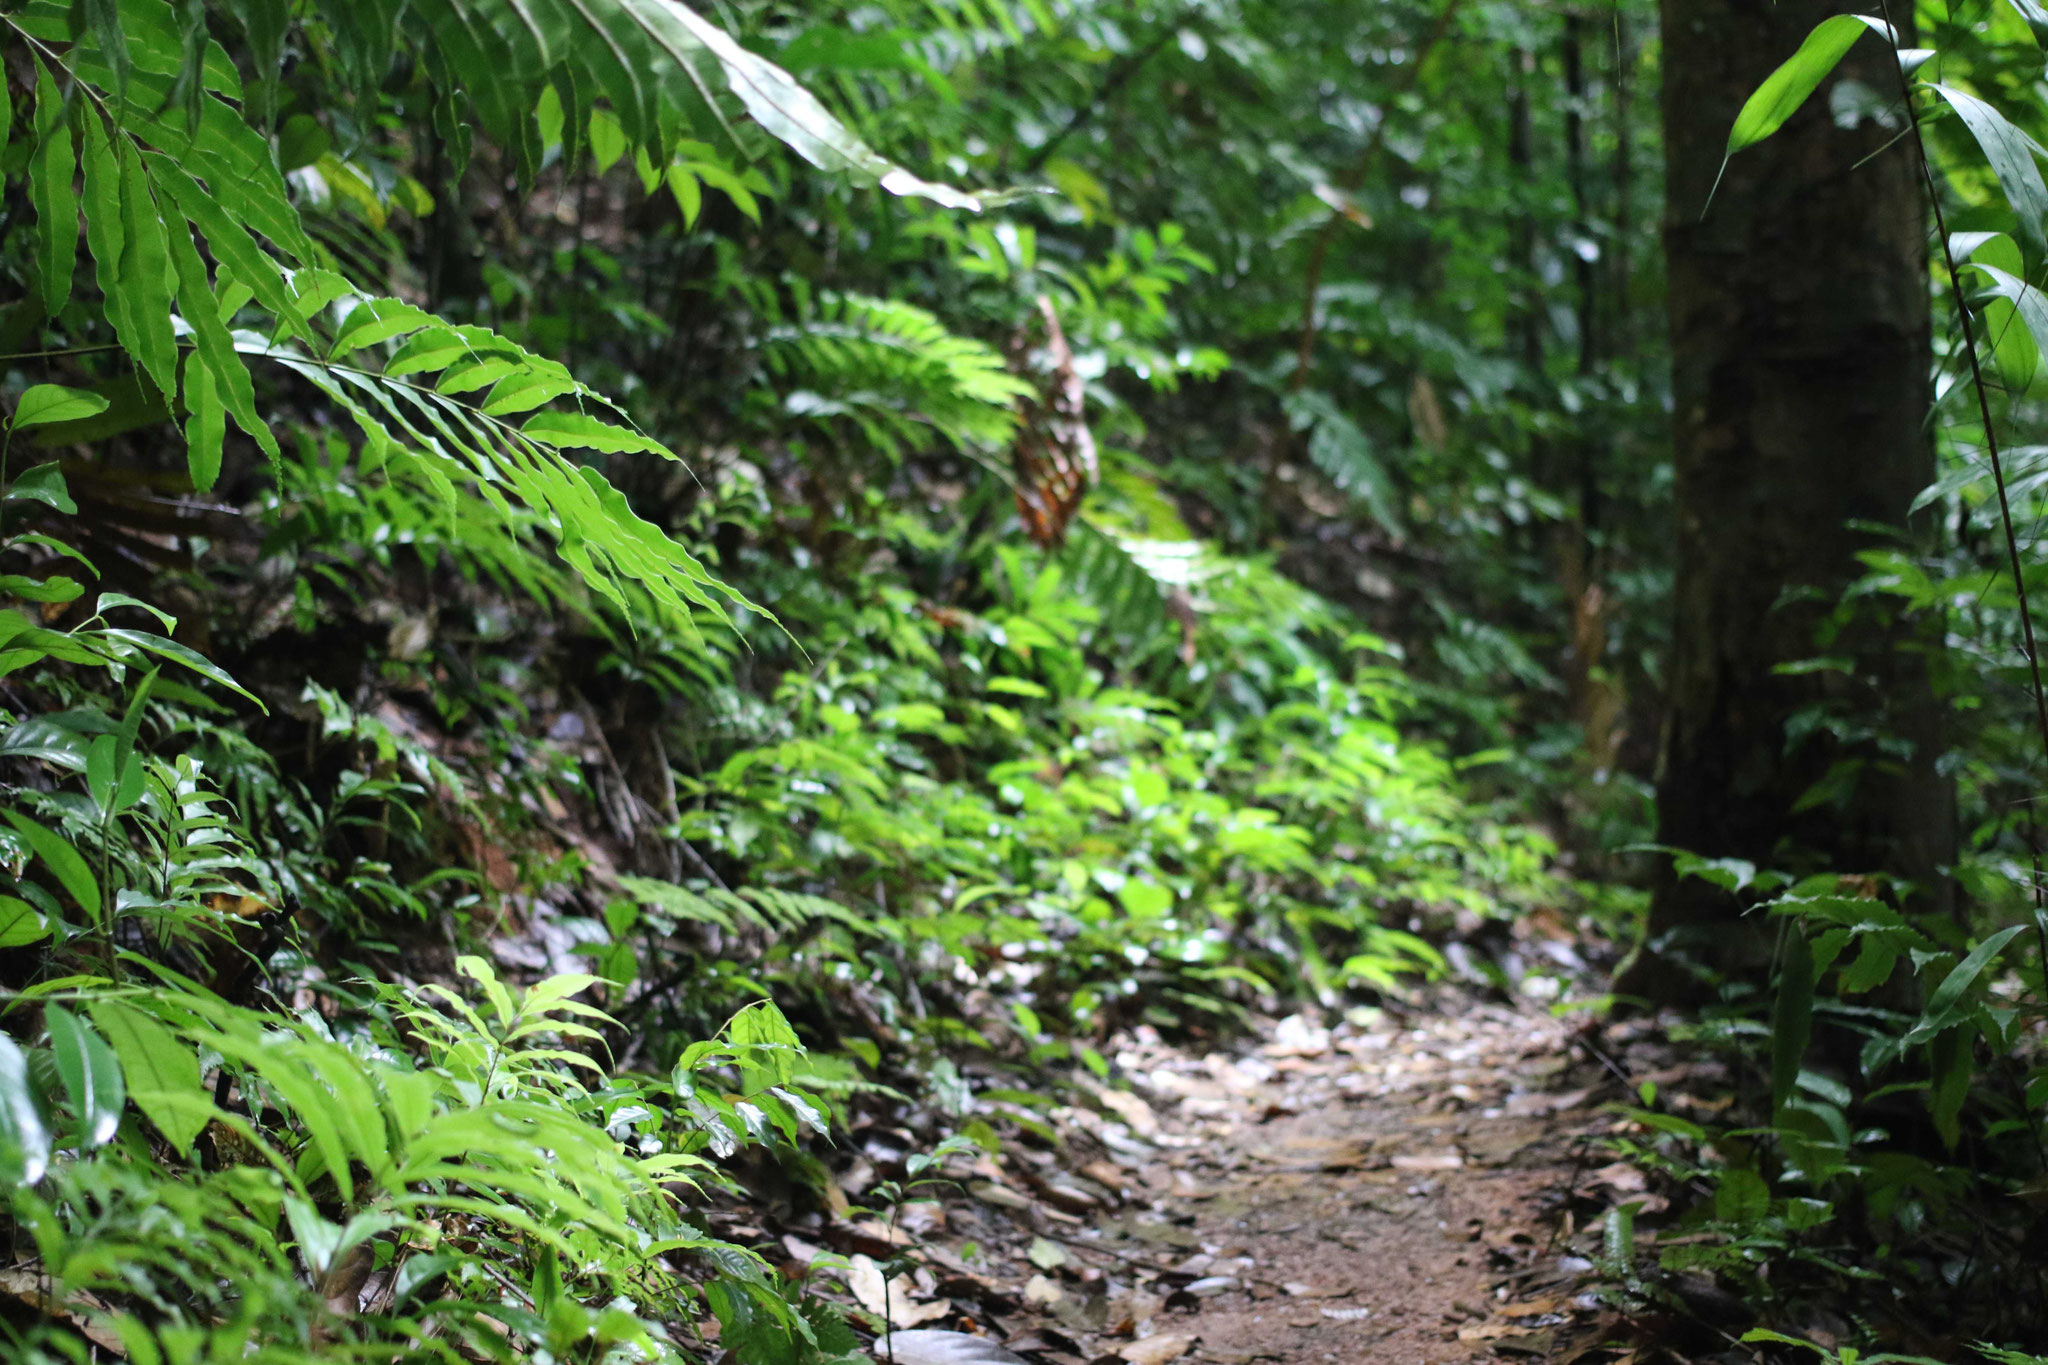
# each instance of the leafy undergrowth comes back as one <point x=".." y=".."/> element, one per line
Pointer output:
<point x="427" y="1000"/>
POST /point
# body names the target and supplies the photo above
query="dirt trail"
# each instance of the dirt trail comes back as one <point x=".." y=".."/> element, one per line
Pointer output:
<point x="1370" y="1193"/>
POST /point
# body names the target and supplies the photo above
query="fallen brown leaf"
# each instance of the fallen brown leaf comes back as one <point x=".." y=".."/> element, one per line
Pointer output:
<point x="1158" y="1350"/>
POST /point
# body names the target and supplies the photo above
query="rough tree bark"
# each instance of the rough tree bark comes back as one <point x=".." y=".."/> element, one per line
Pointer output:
<point x="1801" y="357"/>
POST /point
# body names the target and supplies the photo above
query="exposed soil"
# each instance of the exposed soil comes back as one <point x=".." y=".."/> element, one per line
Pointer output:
<point x="1384" y="1191"/>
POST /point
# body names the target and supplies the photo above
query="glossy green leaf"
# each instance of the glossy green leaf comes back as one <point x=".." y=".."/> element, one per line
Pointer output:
<point x="44" y="483"/>
<point x="21" y="923"/>
<point x="24" y="1137"/>
<point x="2012" y="158"/>
<point x="64" y="861"/>
<point x="180" y="654"/>
<point x="91" y="1074"/>
<point x="42" y="404"/>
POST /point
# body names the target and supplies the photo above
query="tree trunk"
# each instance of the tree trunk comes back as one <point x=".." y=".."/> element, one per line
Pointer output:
<point x="1801" y="361"/>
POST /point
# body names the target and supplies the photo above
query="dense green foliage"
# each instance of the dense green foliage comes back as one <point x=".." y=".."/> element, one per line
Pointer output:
<point x="598" y="588"/>
<point x="424" y="307"/>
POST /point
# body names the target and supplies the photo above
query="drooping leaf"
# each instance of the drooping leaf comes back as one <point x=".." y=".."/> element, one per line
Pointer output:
<point x="143" y="281"/>
<point x="1945" y="1007"/>
<point x="51" y="169"/>
<point x="205" y="424"/>
<point x="2007" y="149"/>
<point x="44" y="483"/>
<point x="91" y="1075"/>
<point x="2011" y="342"/>
<point x="65" y="862"/>
<point x="1787" y="88"/>
<point x="24" y="1138"/>
<point x="1792" y="1016"/>
<point x="228" y="382"/>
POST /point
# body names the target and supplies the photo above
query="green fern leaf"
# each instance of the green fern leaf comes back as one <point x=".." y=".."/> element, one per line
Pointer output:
<point x="142" y="284"/>
<point x="205" y="424"/>
<point x="104" y="235"/>
<point x="50" y="171"/>
<point x="229" y="382"/>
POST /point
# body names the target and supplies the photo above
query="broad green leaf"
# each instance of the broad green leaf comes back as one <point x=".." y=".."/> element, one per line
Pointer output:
<point x="607" y="140"/>
<point x="56" y="589"/>
<point x="319" y="1240"/>
<point x="42" y="404"/>
<point x="66" y="863"/>
<point x="1785" y="89"/>
<point x="687" y="191"/>
<point x="24" y="1138"/>
<point x="91" y="1074"/>
<point x="21" y="923"/>
<point x="2027" y="301"/>
<point x="2013" y="348"/>
<point x="1873" y="965"/>
<point x="51" y="170"/>
<point x="44" y="483"/>
<point x="2007" y="149"/>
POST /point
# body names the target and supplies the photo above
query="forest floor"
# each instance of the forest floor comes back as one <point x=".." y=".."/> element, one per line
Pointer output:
<point x="1388" y="1190"/>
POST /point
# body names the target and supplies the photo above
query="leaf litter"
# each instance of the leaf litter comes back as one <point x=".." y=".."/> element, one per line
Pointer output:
<point x="1374" y="1189"/>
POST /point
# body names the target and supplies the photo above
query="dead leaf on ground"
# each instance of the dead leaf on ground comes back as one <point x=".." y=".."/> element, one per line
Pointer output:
<point x="1540" y="1104"/>
<point x="930" y="1347"/>
<point x="1428" y="1161"/>
<point x="1131" y="1110"/>
<point x="1046" y="1254"/>
<point x="1158" y="1350"/>
<point x="870" y="1288"/>
<point x="1040" y="1292"/>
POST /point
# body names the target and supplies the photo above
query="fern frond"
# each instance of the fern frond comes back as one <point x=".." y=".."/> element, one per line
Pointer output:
<point x="894" y="371"/>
